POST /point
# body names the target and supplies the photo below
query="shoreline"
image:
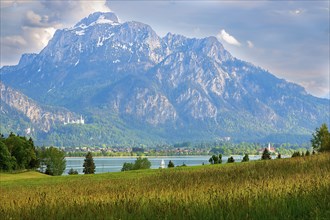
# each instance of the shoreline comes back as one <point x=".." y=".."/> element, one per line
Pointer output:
<point x="234" y="155"/>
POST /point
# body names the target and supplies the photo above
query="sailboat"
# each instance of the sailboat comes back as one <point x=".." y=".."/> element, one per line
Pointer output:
<point x="162" y="164"/>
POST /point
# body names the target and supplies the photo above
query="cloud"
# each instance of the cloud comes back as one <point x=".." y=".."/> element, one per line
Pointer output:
<point x="31" y="24"/>
<point x="316" y="87"/>
<point x="36" y="20"/>
<point x="223" y="35"/>
<point x="13" y="41"/>
<point x="250" y="44"/>
<point x="296" y="12"/>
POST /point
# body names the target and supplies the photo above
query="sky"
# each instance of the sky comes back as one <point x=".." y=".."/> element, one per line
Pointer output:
<point x="288" y="38"/>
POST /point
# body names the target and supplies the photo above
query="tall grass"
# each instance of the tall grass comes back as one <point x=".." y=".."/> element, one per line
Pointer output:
<point x="297" y="188"/>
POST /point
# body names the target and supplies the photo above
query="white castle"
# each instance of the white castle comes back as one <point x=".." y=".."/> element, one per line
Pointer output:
<point x="78" y="121"/>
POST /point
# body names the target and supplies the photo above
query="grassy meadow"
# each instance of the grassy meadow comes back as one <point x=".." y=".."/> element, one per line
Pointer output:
<point x="295" y="188"/>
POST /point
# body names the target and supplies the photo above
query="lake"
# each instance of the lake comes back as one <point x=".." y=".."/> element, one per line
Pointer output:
<point x="114" y="164"/>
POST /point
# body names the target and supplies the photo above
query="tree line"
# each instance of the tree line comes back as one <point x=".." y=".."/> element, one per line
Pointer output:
<point x="19" y="153"/>
<point x="320" y="142"/>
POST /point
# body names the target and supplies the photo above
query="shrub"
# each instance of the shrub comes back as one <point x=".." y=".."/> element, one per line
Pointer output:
<point x="296" y="154"/>
<point x="127" y="166"/>
<point x="139" y="164"/>
<point x="73" y="172"/>
<point x="230" y="160"/>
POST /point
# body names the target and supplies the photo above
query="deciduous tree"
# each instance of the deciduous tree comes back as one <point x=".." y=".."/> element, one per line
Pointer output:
<point x="7" y="162"/>
<point x="141" y="163"/>
<point x="321" y="139"/>
<point x="127" y="166"/>
<point x="53" y="159"/>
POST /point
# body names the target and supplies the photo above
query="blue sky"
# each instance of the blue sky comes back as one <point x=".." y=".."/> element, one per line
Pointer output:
<point x="288" y="38"/>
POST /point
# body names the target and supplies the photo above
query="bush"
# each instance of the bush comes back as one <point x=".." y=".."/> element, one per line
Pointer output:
<point x="230" y="160"/>
<point x="127" y="166"/>
<point x="73" y="172"/>
<point x="296" y="154"/>
<point x="139" y="164"/>
<point x="216" y="159"/>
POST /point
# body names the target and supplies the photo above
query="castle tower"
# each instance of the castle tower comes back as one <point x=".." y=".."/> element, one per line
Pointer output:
<point x="82" y="121"/>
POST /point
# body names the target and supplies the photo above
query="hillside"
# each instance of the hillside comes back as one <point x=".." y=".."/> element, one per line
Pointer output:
<point x="127" y="81"/>
<point x="294" y="188"/>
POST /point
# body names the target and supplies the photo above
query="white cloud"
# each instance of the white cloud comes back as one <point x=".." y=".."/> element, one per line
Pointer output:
<point x="250" y="44"/>
<point x="296" y="12"/>
<point x="13" y="41"/>
<point x="223" y="35"/>
<point x="33" y="23"/>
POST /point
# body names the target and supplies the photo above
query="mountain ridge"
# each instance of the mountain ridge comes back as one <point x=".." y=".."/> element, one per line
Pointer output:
<point x="173" y="86"/>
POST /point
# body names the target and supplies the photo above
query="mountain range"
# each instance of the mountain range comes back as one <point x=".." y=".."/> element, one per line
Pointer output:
<point x="131" y="86"/>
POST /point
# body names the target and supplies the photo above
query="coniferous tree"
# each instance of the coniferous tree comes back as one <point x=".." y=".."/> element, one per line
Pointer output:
<point x="89" y="165"/>
<point x="307" y="153"/>
<point x="266" y="155"/>
<point x="279" y="156"/>
<point x="220" y="159"/>
<point x="170" y="164"/>
<point x="246" y="158"/>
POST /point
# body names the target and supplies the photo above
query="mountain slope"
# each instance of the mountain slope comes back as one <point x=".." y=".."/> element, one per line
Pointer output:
<point x="124" y="77"/>
<point x="29" y="115"/>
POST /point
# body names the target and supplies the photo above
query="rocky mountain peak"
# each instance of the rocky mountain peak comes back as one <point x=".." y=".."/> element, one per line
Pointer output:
<point x="98" y="18"/>
<point x="176" y="86"/>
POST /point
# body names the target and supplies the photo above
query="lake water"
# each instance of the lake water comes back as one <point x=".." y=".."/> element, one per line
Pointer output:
<point x="114" y="164"/>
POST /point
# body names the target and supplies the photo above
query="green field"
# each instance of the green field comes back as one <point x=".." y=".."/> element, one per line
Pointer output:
<point x="295" y="188"/>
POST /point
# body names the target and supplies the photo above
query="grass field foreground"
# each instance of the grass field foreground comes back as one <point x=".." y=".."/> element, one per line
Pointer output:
<point x="295" y="188"/>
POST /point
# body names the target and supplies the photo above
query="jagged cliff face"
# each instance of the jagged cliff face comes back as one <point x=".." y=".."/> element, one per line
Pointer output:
<point x="102" y="67"/>
<point x="38" y="116"/>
